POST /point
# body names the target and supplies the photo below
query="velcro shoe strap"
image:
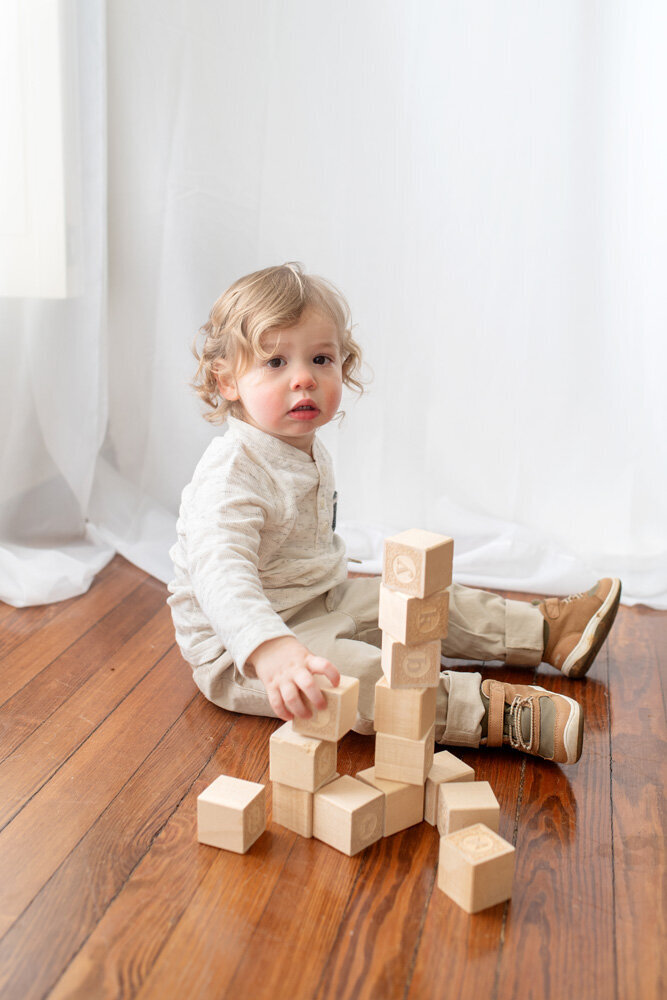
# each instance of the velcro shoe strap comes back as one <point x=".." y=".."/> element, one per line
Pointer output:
<point x="496" y="714"/>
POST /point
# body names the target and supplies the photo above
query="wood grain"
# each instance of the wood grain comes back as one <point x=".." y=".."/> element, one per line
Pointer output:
<point x="638" y="739"/>
<point x="41" y="634"/>
<point x="105" y="892"/>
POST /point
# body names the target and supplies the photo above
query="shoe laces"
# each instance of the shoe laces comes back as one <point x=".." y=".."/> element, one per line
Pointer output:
<point x="515" y="733"/>
<point x="573" y="597"/>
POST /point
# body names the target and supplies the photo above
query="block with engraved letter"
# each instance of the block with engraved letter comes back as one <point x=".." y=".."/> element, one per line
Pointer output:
<point x="418" y="562"/>
<point x="476" y="868"/>
<point x="300" y="761"/>
<point x="348" y="815"/>
<point x="400" y="759"/>
<point x="410" y="666"/>
<point x="408" y="712"/>
<point x="445" y="768"/>
<point x="231" y="813"/>
<point x="413" y="620"/>
<point x="331" y="723"/>
<point x="463" y="804"/>
<point x="403" y="803"/>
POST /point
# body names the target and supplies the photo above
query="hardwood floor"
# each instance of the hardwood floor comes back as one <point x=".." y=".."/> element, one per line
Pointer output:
<point x="105" y="892"/>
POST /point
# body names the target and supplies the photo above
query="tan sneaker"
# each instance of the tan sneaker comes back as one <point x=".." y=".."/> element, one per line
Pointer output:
<point x="529" y="718"/>
<point x="578" y="625"/>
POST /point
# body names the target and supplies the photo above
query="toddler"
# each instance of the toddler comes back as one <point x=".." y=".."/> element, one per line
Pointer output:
<point x="260" y="598"/>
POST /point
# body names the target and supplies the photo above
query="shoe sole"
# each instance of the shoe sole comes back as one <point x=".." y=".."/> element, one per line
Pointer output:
<point x="573" y="733"/>
<point x="581" y="658"/>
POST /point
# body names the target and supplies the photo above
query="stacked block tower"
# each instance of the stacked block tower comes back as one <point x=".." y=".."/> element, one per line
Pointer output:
<point x="407" y="784"/>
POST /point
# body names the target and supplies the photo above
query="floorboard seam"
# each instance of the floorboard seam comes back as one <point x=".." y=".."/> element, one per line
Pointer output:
<point x="78" y="747"/>
<point x="350" y="895"/>
<point x="146" y="852"/>
<point x="415" y="950"/>
<point x="100" y="815"/>
<point x="73" y="643"/>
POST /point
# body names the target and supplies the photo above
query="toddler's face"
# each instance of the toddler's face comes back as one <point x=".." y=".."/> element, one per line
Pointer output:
<point x="299" y="387"/>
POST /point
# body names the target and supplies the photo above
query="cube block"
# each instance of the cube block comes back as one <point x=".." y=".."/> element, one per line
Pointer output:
<point x="403" y="804"/>
<point x="446" y="767"/>
<point x="331" y="723"/>
<point x="465" y="803"/>
<point x="293" y="808"/>
<point x="300" y="761"/>
<point x="231" y="813"/>
<point x="348" y="815"/>
<point x="418" y="562"/>
<point x="410" y="666"/>
<point x="476" y="868"/>
<point x="413" y="620"/>
<point x="400" y="759"/>
<point x="408" y="712"/>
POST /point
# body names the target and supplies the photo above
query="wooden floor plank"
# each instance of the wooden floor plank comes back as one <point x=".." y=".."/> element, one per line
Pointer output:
<point x="23" y="713"/>
<point x="637" y="664"/>
<point x="45" y="632"/>
<point x="43" y="752"/>
<point x="456" y="949"/>
<point x="109" y="937"/>
<point x="122" y="949"/>
<point x="383" y="918"/>
<point x="38" y="840"/>
<point x="108" y="894"/>
<point x="563" y="868"/>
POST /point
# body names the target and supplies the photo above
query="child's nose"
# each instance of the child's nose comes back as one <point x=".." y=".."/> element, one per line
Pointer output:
<point x="303" y="378"/>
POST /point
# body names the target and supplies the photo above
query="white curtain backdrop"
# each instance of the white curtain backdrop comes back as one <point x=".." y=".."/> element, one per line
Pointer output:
<point x="485" y="182"/>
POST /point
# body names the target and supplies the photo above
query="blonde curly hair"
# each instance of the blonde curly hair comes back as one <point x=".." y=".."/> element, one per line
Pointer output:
<point x="265" y="300"/>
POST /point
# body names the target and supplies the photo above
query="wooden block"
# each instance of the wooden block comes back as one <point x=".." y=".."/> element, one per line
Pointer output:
<point x="400" y="759"/>
<point x="408" y="712"/>
<point x="446" y="767"/>
<point x="467" y="803"/>
<point x="348" y="815"/>
<point x="332" y="722"/>
<point x="410" y="666"/>
<point x="476" y="868"/>
<point x="413" y="620"/>
<point x="300" y="761"/>
<point x="403" y="804"/>
<point x="231" y="813"/>
<point x="293" y="808"/>
<point x="418" y="562"/>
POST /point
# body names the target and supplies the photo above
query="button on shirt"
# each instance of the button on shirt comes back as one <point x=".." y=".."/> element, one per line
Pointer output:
<point x="255" y="537"/>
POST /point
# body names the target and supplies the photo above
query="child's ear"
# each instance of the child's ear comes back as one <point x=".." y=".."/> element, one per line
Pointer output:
<point x="227" y="386"/>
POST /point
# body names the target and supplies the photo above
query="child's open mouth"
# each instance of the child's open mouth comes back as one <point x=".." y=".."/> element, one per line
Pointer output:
<point x="304" y="411"/>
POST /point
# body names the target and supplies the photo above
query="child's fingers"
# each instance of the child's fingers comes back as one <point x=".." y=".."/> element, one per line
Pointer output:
<point x="278" y="705"/>
<point x="318" y="665"/>
<point x="310" y="688"/>
<point x="293" y="700"/>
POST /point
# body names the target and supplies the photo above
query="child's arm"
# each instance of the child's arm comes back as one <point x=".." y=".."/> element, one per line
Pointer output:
<point x="286" y="667"/>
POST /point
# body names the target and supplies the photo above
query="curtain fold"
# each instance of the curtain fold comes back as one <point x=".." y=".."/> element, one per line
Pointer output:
<point x="484" y="183"/>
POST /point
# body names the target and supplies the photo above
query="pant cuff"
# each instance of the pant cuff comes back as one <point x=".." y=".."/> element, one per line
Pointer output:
<point x="465" y="709"/>
<point x="524" y="634"/>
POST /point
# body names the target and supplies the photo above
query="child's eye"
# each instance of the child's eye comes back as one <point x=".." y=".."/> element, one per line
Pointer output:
<point x="275" y="362"/>
<point x="322" y="359"/>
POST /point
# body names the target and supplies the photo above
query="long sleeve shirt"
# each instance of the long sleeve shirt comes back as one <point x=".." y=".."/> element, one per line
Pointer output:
<point x="255" y="537"/>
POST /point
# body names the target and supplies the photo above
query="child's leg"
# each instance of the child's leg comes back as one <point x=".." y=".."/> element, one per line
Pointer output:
<point x="484" y="626"/>
<point x="353" y="641"/>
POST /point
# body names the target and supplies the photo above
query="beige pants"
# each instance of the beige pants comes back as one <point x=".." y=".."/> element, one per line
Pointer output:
<point x="342" y="625"/>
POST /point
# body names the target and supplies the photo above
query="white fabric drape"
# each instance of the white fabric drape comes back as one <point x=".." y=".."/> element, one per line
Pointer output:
<point x="484" y="182"/>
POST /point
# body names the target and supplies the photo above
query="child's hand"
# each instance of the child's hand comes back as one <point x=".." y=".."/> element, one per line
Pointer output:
<point x="286" y="667"/>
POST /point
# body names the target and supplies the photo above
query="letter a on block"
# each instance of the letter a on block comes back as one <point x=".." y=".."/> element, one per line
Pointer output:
<point x="418" y="562"/>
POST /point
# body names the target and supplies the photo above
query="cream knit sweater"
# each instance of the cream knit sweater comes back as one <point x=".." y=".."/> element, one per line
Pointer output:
<point x="255" y="537"/>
